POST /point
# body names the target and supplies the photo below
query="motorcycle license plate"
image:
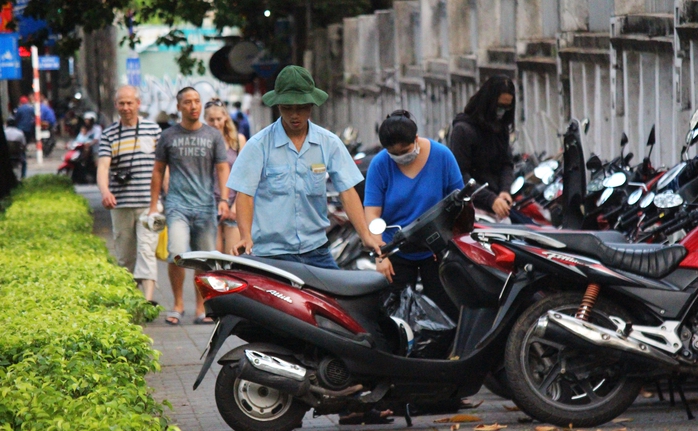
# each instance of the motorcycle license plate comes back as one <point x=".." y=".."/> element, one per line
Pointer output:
<point x="210" y="339"/>
<point x="45" y="134"/>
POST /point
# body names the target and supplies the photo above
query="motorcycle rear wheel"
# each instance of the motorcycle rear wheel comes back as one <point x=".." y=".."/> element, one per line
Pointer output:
<point x="595" y="387"/>
<point x="248" y="406"/>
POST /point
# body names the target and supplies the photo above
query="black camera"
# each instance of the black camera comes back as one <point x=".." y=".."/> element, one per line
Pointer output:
<point x="122" y="177"/>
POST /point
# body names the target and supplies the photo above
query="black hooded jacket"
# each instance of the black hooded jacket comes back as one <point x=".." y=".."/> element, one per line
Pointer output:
<point x="483" y="155"/>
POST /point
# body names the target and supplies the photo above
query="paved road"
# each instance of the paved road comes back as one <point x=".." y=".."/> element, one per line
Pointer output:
<point x="181" y="347"/>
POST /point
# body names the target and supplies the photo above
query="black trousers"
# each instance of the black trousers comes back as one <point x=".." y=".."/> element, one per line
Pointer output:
<point x="408" y="271"/>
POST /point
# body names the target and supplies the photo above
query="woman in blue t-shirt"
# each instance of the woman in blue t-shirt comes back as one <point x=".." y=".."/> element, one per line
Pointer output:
<point x="404" y="180"/>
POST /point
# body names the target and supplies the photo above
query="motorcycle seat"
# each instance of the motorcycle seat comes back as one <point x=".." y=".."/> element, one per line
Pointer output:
<point x="337" y="282"/>
<point x="647" y="260"/>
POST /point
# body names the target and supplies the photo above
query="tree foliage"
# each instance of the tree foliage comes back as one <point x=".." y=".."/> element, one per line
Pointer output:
<point x="65" y="19"/>
<point x="255" y="18"/>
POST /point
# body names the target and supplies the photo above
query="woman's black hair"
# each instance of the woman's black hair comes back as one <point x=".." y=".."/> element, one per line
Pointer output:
<point x="482" y="106"/>
<point x="397" y="128"/>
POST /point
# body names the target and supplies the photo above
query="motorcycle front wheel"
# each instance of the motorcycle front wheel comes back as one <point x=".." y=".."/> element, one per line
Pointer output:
<point x="248" y="406"/>
<point x="565" y="385"/>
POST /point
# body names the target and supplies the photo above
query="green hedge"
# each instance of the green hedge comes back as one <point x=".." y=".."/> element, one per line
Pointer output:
<point x="72" y="356"/>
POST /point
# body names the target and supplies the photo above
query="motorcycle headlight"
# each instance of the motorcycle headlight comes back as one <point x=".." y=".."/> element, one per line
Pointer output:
<point x="647" y="200"/>
<point x="604" y="196"/>
<point x="552" y="191"/>
<point x="595" y="185"/>
<point x="667" y="200"/>
<point x="544" y="173"/>
<point x="635" y="196"/>
<point x="517" y="185"/>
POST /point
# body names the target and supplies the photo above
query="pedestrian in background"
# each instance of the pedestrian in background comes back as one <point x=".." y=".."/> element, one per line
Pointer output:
<point x="48" y="115"/>
<point x="17" y="142"/>
<point x="24" y="117"/>
<point x="124" y="171"/>
<point x="195" y="154"/>
<point x="283" y="171"/>
<point x="480" y="142"/>
<point x="241" y="119"/>
<point x="408" y="177"/>
<point x="216" y="116"/>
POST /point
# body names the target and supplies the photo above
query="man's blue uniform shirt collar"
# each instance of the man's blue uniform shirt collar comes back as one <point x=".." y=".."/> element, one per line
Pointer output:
<point x="281" y="138"/>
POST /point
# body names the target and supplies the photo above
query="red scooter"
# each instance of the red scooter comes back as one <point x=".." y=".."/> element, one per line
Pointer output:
<point x="78" y="162"/>
<point x="321" y="339"/>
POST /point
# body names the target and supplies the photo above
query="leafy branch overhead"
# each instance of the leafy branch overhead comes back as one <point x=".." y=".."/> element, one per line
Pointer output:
<point x="256" y="19"/>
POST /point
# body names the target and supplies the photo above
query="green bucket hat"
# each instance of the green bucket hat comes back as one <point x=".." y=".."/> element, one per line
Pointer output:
<point x="294" y="86"/>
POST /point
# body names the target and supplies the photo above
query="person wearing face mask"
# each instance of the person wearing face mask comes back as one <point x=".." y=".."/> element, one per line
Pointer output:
<point x="480" y="142"/>
<point x="404" y="180"/>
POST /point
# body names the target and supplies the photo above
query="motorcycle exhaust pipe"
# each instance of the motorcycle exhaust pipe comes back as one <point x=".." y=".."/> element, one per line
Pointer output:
<point x="283" y="376"/>
<point x="585" y="334"/>
<point x="274" y="373"/>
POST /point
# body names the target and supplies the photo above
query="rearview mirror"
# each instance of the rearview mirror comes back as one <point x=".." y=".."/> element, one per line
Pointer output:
<point x="650" y="138"/>
<point x="594" y="163"/>
<point x="377" y="226"/>
<point x="623" y="140"/>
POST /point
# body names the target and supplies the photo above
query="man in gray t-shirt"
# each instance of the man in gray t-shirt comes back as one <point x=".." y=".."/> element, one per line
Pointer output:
<point x="194" y="153"/>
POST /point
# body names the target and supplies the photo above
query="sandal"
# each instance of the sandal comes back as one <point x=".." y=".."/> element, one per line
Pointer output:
<point x="372" y="417"/>
<point x="174" y="317"/>
<point x="203" y="320"/>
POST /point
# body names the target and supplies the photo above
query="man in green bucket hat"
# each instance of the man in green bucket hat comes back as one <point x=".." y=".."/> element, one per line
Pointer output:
<point x="280" y="177"/>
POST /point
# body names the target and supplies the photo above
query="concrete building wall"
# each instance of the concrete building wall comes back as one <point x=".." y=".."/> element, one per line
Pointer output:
<point x="624" y="64"/>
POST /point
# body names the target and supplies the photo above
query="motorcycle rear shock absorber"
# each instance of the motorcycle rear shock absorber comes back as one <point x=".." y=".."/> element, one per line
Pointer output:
<point x="588" y="301"/>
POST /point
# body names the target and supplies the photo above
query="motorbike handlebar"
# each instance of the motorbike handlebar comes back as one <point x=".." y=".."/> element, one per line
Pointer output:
<point x="674" y="225"/>
<point x="388" y="249"/>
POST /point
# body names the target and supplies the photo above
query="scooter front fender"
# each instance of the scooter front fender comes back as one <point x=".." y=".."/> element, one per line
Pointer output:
<point x="225" y="327"/>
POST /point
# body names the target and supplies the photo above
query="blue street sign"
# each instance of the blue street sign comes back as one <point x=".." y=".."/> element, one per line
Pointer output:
<point x="133" y="71"/>
<point x="10" y="64"/>
<point x="49" y="62"/>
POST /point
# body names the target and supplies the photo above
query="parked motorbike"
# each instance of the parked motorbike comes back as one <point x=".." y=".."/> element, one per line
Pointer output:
<point x="16" y="150"/>
<point x="320" y="339"/>
<point x="657" y="208"/>
<point x="48" y="140"/>
<point x="614" y="314"/>
<point x="621" y="187"/>
<point x="78" y="163"/>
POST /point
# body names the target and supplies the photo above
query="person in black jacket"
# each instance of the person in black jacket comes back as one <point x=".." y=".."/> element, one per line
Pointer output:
<point x="480" y="142"/>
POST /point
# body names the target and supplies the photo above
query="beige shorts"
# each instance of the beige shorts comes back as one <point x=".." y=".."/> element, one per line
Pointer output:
<point x="134" y="243"/>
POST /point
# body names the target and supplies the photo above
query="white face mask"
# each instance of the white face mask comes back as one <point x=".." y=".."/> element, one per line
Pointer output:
<point x="500" y="113"/>
<point x="406" y="159"/>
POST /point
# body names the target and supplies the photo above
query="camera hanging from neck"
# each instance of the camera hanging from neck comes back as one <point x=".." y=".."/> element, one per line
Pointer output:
<point x="122" y="176"/>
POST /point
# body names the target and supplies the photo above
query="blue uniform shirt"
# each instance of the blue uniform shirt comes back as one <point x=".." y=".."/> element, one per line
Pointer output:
<point x="404" y="199"/>
<point x="289" y="187"/>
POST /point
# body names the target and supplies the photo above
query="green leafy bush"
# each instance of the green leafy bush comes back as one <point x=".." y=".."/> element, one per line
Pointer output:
<point x="72" y="356"/>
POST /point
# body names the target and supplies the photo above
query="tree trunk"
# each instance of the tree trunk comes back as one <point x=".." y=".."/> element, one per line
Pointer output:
<point x="8" y="181"/>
